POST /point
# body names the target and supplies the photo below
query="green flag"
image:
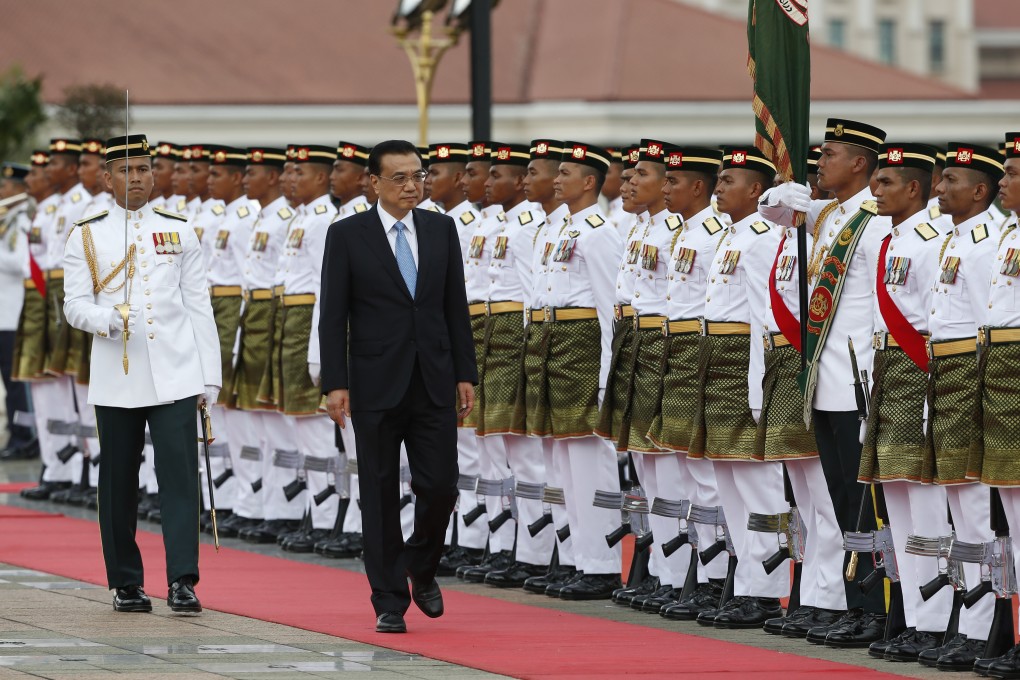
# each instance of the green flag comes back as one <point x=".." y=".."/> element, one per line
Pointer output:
<point x="779" y="61"/>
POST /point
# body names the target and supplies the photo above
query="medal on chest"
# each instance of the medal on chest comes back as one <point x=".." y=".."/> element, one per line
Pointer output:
<point x="295" y="237"/>
<point x="785" y="267"/>
<point x="259" y="243"/>
<point x="499" y="248"/>
<point x="222" y="236"/>
<point x="896" y="270"/>
<point x="950" y="267"/>
<point x="1011" y="263"/>
<point x="35" y="235"/>
<point x="729" y="262"/>
<point x="633" y="252"/>
<point x="476" y="247"/>
<point x="167" y="242"/>
<point x="546" y="252"/>
<point x="564" y="250"/>
<point x="649" y="257"/>
<point x="684" y="262"/>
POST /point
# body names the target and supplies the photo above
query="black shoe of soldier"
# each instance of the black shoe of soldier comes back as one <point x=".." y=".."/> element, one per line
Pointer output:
<point x="131" y="599"/>
<point x="591" y="587"/>
<point x="798" y="626"/>
<point x="868" y="629"/>
<point x="705" y="598"/>
<point x="181" y="597"/>
<point x="747" y="612"/>
<point x="496" y="561"/>
<point x="818" y="634"/>
<point x="515" y="575"/>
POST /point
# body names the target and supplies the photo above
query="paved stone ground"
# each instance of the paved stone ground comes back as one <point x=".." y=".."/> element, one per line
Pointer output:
<point x="52" y="627"/>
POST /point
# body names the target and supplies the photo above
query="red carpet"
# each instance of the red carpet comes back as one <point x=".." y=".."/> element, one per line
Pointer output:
<point x="15" y="487"/>
<point x="479" y="632"/>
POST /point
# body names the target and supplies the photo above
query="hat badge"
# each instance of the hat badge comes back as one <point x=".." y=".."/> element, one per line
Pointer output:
<point x="634" y="156"/>
<point x="739" y="157"/>
<point x="348" y="151"/>
<point x="145" y="145"/>
<point x="164" y="149"/>
<point x="964" y="156"/>
<point x="443" y="152"/>
<point x="257" y="155"/>
<point x="675" y="159"/>
<point x="895" y="156"/>
<point x="186" y="154"/>
<point x="503" y="153"/>
<point x="838" y="130"/>
<point x="478" y="150"/>
<point x="93" y="147"/>
<point x="60" y="145"/>
<point x="302" y="154"/>
<point x="221" y="157"/>
<point x="8" y="172"/>
<point x="542" y="148"/>
<point x="1016" y="145"/>
<point x="579" y="152"/>
<point x="654" y="149"/>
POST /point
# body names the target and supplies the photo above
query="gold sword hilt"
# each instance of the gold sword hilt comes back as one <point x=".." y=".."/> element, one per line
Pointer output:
<point x="851" y="567"/>
<point x="125" y="314"/>
<point x="207" y="421"/>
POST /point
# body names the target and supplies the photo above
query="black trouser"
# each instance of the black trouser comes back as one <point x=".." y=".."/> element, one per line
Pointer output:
<point x="174" y="440"/>
<point x="17" y="392"/>
<point x="837" y="434"/>
<point x="430" y="435"/>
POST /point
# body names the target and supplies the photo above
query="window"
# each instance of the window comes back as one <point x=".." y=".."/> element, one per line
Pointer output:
<point x="937" y="46"/>
<point x="837" y="33"/>
<point x="887" y="41"/>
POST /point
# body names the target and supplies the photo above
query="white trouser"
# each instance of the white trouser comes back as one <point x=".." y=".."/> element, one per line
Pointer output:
<point x="660" y="474"/>
<point x="407" y="512"/>
<point x="226" y="493"/>
<point x="54" y="400"/>
<point x="590" y="465"/>
<point x="971" y="510"/>
<point x="556" y="476"/>
<point x="919" y="509"/>
<point x="493" y="463"/>
<point x="746" y="487"/>
<point x="315" y="438"/>
<point x="1011" y="506"/>
<point x="705" y="491"/>
<point x="821" y="577"/>
<point x="527" y="463"/>
<point x="147" y="470"/>
<point x="352" y="518"/>
<point x="87" y="418"/>
<point x="246" y="429"/>
<point x="475" y="535"/>
<point x="280" y="435"/>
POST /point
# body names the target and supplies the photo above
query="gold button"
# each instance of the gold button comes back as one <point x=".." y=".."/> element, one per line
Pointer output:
<point x="142" y="251"/>
<point x="146" y="291"/>
<point x="144" y="265"/>
<point x="113" y="264"/>
<point x="708" y="299"/>
<point x="683" y="278"/>
<point x="169" y="259"/>
<point x="713" y="279"/>
<point x="138" y="226"/>
<point x="148" y="321"/>
<point x="152" y="336"/>
<point x="148" y="306"/>
<point x="145" y="278"/>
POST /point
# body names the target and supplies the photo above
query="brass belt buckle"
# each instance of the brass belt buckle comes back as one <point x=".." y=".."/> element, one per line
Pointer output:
<point x="984" y="336"/>
<point x="768" y="341"/>
<point x="703" y="325"/>
<point x="488" y="308"/>
<point x="548" y="314"/>
<point x="929" y="349"/>
<point x="665" y="328"/>
<point x="618" y="312"/>
<point x="880" y="340"/>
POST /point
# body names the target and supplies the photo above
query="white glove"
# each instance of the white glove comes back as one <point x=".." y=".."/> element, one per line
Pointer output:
<point x="117" y="321"/>
<point x="315" y="373"/>
<point x="212" y="392"/>
<point x="790" y="195"/>
<point x="756" y="414"/>
<point x="864" y="431"/>
<point x="924" y="428"/>
<point x="602" y="396"/>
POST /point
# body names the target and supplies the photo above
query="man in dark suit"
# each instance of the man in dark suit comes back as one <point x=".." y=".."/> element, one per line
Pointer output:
<point x="397" y="354"/>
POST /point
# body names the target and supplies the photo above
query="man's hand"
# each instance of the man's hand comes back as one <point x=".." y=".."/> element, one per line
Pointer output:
<point x="756" y="414"/>
<point x="338" y="405"/>
<point x="117" y="322"/>
<point x="209" y="397"/>
<point x="466" y="399"/>
<point x="789" y="195"/>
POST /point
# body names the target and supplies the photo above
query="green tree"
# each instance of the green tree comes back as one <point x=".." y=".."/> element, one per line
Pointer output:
<point x="21" y="112"/>
<point x="92" y="110"/>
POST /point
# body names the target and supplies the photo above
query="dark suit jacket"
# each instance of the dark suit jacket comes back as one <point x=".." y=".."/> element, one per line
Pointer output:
<point x="363" y="292"/>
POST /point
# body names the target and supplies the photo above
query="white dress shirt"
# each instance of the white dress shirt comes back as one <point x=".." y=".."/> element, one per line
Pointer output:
<point x="410" y="232"/>
<point x="1004" y="302"/>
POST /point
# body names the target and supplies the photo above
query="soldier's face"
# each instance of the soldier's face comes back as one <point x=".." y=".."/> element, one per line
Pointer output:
<point x="162" y="175"/>
<point x="1009" y="185"/>
<point x="679" y="190"/>
<point x="957" y="191"/>
<point x="472" y="182"/>
<point x="345" y="180"/>
<point x="130" y="179"/>
<point x="199" y="180"/>
<point x="224" y="182"/>
<point x="181" y="179"/>
<point x="309" y="179"/>
<point x="287" y="183"/>
<point x="892" y="192"/>
<point x="735" y="192"/>
<point x="36" y="182"/>
<point x="835" y="167"/>
<point x="367" y="188"/>
<point x="90" y="173"/>
<point x="503" y="186"/>
<point x="647" y="182"/>
<point x="538" y="182"/>
<point x="569" y="183"/>
<point x="258" y="179"/>
<point x="614" y="181"/>
<point x="62" y="170"/>
<point x="627" y="193"/>
<point x="443" y="184"/>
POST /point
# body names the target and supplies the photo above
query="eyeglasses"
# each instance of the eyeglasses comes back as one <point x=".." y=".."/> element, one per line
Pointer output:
<point x="400" y="180"/>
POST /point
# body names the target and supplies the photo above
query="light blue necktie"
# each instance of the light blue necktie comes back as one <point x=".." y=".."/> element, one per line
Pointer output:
<point x="405" y="260"/>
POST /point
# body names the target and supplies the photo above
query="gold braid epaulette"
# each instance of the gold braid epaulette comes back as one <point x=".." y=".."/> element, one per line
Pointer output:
<point x="945" y="244"/>
<point x="90" y="258"/>
<point x="819" y="249"/>
<point x="1005" y="232"/>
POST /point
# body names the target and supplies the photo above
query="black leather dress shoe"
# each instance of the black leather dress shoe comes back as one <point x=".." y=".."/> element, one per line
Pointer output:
<point x="653" y="604"/>
<point x="22" y="452"/>
<point x="61" y="496"/>
<point x="553" y="576"/>
<point x="181" y="598"/>
<point x="774" y="626"/>
<point x="868" y="629"/>
<point x="705" y="598"/>
<point x="131" y="599"/>
<point x="269" y="530"/>
<point x="235" y="524"/>
<point x="818" y="634"/>
<point x="156" y="515"/>
<point x="150" y="501"/>
<point x="962" y="658"/>
<point x="515" y="575"/>
<point x="44" y="490"/>
<point x="591" y="587"/>
<point x="390" y="622"/>
<point x="305" y="541"/>
<point x="495" y="561"/>
<point x="747" y="612"/>
<point x="562" y="580"/>
<point x="930" y="657"/>
<point x="638" y="600"/>
<point x="346" y="545"/>
<point x="92" y="499"/>
<point x="799" y="625"/>
<point x="907" y="645"/>
<point x="1005" y="666"/>
<point x="457" y="557"/>
<point x="428" y="597"/>
<point x="627" y="594"/>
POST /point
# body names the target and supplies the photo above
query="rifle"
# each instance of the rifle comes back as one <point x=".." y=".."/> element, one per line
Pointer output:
<point x="703" y="514"/>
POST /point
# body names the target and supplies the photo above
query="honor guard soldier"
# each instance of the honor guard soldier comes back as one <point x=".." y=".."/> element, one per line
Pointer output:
<point x="500" y="361"/>
<point x="847" y="241"/>
<point x="611" y="191"/>
<point x="996" y="374"/>
<point x="691" y="177"/>
<point x="476" y="171"/>
<point x="729" y="388"/>
<point x="15" y="221"/>
<point x="566" y="373"/>
<point x="164" y="157"/>
<point x="52" y="393"/>
<point x="154" y="357"/>
<point x="226" y="285"/>
<point x="944" y="223"/>
<point x="894" y="452"/>
<point x="297" y="393"/>
<point x="208" y="211"/>
<point x="960" y="305"/>
<point x="539" y="189"/>
<point x="186" y="198"/>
